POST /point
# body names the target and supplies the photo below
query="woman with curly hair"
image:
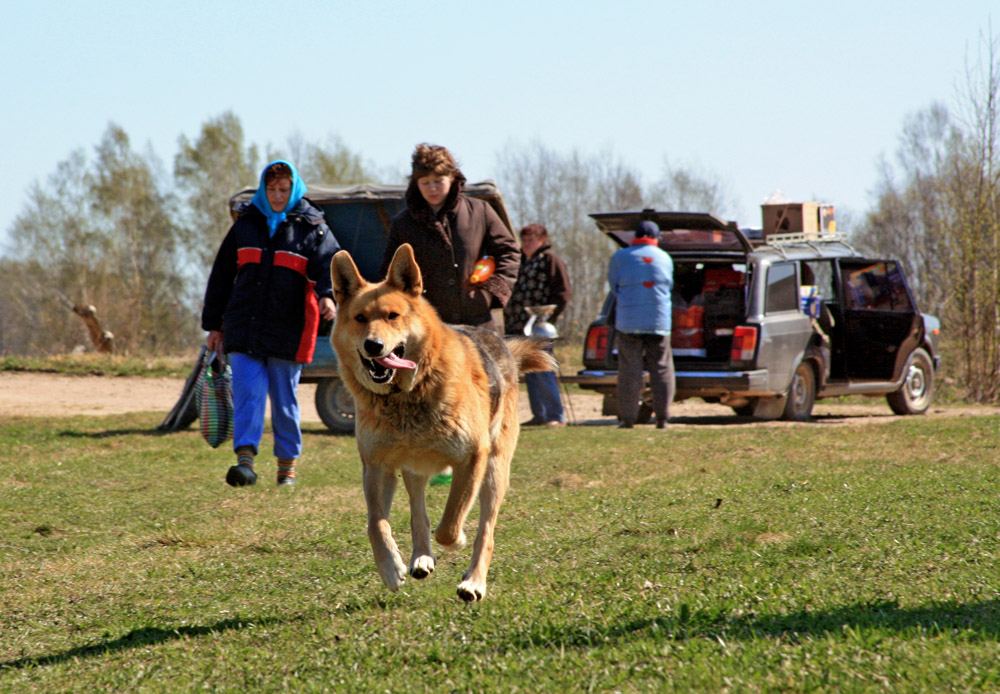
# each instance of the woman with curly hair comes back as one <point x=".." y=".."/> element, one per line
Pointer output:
<point x="450" y="232"/>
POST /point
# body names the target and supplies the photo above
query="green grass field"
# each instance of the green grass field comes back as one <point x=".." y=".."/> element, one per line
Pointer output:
<point x="801" y="558"/>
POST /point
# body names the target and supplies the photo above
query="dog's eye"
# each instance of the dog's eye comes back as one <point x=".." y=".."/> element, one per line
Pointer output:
<point x="361" y="318"/>
<point x="393" y="315"/>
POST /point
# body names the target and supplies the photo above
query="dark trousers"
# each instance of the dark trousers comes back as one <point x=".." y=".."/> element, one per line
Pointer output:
<point x="636" y="350"/>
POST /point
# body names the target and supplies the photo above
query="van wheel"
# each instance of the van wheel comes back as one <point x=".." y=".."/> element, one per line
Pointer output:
<point x="335" y="405"/>
<point x="801" y="394"/>
<point x="918" y="385"/>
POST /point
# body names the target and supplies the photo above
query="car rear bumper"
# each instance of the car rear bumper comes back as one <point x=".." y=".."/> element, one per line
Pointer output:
<point x="689" y="383"/>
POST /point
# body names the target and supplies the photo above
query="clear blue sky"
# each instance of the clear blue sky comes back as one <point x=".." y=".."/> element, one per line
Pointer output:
<point x="798" y="96"/>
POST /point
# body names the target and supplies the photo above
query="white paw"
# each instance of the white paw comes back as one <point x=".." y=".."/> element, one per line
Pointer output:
<point x="422" y="566"/>
<point x="457" y="545"/>
<point x="471" y="592"/>
<point x="393" y="573"/>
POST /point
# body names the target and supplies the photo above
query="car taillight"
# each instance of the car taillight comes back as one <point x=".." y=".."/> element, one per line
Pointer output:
<point x="744" y="343"/>
<point x="597" y="343"/>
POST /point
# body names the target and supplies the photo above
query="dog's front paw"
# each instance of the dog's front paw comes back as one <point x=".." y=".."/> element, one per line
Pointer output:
<point x="422" y="566"/>
<point x="470" y="591"/>
<point x="393" y="573"/>
<point x="456" y="545"/>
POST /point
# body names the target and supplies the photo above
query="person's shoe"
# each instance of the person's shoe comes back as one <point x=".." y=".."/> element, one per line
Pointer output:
<point x="533" y="422"/>
<point x="286" y="471"/>
<point x="625" y="425"/>
<point x="241" y="476"/>
<point x="555" y="423"/>
<point x="661" y="424"/>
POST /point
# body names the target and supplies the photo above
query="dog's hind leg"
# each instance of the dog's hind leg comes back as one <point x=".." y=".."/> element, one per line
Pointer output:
<point x="422" y="560"/>
<point x="379" y="485"/>
<point x="491" y="495"/>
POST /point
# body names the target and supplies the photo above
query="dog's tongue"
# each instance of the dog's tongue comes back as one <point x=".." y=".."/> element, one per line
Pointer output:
<point x="394" y="361"/>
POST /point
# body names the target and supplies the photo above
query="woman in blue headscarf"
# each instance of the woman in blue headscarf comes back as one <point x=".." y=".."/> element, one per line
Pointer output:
<point x="269" y="287"/>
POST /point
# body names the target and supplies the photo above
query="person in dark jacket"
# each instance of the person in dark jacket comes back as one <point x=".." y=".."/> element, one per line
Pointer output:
<point x="542" y="281"/>
<point x="449" y="232"/>
<point x="269" y="287"/>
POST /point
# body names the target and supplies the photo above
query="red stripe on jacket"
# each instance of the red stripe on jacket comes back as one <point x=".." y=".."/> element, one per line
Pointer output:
<point x="307" y="342"/>
<point x="247" y="255"/>
<point x="292" y="261"/>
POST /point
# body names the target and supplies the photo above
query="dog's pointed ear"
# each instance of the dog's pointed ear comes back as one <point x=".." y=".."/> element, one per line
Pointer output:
<point x="404" y="273"/>
<point x="347" y="281"/>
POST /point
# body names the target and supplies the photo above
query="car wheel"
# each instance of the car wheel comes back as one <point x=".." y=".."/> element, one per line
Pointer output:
<point x="801" y="394"/>
<point x="918" y="385"/>
<point x="335" y="405"/>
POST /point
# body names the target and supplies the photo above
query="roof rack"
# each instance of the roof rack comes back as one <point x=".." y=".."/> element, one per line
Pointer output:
<point x="788" y="238"/>
<point x="812" y="239"/>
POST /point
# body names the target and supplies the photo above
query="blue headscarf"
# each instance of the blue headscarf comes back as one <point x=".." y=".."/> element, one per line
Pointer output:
<point x="260" y="197"/>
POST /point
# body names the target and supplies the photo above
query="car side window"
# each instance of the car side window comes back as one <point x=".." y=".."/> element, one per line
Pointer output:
<point x="782" y="288"/>
<point x="877" y="287"/>
<point x="819" y="274"/>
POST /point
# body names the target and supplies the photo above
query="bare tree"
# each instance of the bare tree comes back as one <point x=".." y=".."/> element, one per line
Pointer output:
<point x="99" y="234"/>
<point x="688" y="190"/>
<point x="208" y="171"/>
<point x="940" y="213"/>
<point x="329" y="163"/>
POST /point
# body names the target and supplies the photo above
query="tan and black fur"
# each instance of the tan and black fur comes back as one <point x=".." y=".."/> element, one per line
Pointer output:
<point x="457" y="406"/>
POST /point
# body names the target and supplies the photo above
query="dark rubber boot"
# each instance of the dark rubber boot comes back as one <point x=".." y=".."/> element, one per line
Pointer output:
<point x="241" y="476"/>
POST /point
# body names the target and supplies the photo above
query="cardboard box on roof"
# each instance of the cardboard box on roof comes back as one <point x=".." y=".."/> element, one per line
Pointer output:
<point x="809" y="218"/>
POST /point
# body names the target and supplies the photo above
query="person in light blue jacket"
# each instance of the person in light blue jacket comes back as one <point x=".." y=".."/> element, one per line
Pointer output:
<point x="642" y="278"/>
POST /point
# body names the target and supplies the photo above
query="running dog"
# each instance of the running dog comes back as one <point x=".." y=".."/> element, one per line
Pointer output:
<point x="427" y="396"/>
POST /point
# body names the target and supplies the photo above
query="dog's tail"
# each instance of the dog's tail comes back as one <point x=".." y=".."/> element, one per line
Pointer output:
<point x="531" y="354"/>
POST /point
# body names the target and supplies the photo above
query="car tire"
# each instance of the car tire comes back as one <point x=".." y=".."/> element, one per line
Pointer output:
<point x="801" y="394"/>
<point x="915" y="396"/>
<point x="335" y="405"/>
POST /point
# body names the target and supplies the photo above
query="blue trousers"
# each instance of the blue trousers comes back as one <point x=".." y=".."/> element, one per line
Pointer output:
<point x="254" y="380"/>
<point x="543" y="396"/>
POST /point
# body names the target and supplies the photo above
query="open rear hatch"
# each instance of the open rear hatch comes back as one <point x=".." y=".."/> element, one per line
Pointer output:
<point x="710" y="278"/>
<point x="679" y="231"/>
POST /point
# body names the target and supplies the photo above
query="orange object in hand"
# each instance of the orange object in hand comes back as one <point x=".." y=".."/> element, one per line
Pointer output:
<point x="483" y="269"/>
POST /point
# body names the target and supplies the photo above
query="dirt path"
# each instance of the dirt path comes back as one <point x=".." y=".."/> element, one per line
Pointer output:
<point x="51" y="395"/>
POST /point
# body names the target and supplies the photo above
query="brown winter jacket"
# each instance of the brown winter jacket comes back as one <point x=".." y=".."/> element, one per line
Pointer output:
<point x="447" y="246"/>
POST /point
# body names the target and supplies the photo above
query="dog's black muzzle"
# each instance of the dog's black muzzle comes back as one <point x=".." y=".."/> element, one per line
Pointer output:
<point x="373" y="348"/>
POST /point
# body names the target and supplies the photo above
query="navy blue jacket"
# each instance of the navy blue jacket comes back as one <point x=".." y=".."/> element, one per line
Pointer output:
<point x="263" y="293"/>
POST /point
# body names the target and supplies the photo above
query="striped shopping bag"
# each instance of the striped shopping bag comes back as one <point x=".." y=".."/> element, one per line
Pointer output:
<point x="214" y="396"/>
